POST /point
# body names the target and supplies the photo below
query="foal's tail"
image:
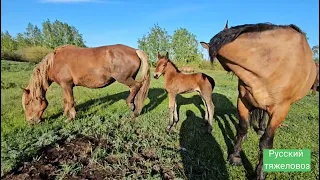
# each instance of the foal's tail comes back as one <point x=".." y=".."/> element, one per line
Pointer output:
<point x="143" y="92"/>
<point x="210" y="79"/>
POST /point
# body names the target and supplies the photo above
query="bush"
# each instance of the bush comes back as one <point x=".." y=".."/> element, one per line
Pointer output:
<point x="30" y="54"/>
<point x="33" y="54"/>
<point x="10" y="55"/>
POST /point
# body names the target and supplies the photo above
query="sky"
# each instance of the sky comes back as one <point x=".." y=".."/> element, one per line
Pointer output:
<point x="105" y="22"/>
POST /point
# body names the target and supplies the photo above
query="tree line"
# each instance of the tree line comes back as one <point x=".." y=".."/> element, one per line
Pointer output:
<point x="35" y="43"/>
<point x="53" y="34"/>
<point x="182" y="45"/>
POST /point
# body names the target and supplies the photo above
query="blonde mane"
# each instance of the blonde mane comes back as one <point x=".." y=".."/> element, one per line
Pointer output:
<point x="38" y="83"/>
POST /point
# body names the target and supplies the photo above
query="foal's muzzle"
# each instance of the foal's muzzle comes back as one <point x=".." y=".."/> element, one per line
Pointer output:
<point x="156" y="75"/>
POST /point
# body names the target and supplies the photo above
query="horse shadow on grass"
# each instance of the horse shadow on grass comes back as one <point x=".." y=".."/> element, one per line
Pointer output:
<point x="156" y="96"/>
<point x="203" y="157"/>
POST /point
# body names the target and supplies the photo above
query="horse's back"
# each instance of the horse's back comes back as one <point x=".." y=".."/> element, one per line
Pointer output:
<point x="276" y="65"/>
<point x="101" y="64"/>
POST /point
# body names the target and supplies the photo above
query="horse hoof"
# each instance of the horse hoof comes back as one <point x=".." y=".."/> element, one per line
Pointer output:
<point x="260" y="132"/>
<point x="132" y="106"/>
<point x="68" y="120"/>
<point x="134" y="115"/>
<point x="169" y="129"/>
<point x="235" y="160"/>
<point x="209" y="130"/>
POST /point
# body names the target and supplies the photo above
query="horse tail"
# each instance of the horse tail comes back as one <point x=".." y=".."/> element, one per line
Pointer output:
<point x="211" y="80"/>
<point x="143" y="91"/>
<point x="259" y="116"/>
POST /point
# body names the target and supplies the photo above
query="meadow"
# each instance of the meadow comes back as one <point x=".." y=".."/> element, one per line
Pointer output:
<point x="104" y="142"/>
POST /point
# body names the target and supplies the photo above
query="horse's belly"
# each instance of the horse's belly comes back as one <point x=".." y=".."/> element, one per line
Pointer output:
<point x="257" y="97"/>
<point x="94" y="81"/>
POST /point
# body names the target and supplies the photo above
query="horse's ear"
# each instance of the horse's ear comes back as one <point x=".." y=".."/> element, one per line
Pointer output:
<point x="205" y="45"/>
<point x="226" y="26"/>
<point x="25" y="90"/>
<point x="159" y="56"/>
<point x="167" y="55"/>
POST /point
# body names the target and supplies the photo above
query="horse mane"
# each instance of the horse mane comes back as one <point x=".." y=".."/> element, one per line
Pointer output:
<point x="39" y="79"/>
<point x="228" y="35"/>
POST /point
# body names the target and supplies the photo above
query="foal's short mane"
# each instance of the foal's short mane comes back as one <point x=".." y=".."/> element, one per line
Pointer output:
<point x="39" y="79"/>
<point x="228" y="35"/>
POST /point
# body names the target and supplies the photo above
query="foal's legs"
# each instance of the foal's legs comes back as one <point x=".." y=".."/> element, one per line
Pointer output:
<point x="68" y="100"/>
<point x="206" y="115"/>
<point x="175" y="113"/>
<point x="172" y="109"/>
<point x="243" y="110"/>
<point x="207" y="100"/>
<point x="278" y="114"/>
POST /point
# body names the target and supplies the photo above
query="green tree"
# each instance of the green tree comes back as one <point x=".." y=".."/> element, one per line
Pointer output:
<point x="47" y="34"/>
<point x="60" y="33"/>
<point x="22" y="42"/>
<point x="33" y="35"/>
<point x="315" y="50"/>
<point x="157" y="40"/>
<point x="185" y="46"/>
<point x="8" y="44"/>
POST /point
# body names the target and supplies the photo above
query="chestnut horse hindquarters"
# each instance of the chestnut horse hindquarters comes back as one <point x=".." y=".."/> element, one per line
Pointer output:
<point x="143" y="91"/>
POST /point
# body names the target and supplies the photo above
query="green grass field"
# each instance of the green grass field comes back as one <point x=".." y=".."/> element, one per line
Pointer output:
<point x="103" y="114"/>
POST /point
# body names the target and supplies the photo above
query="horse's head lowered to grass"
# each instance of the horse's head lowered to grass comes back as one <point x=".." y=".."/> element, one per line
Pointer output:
<point x="34" y="101"/>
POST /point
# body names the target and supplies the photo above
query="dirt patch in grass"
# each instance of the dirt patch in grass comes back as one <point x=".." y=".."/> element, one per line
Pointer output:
<point x="73" y="160"/>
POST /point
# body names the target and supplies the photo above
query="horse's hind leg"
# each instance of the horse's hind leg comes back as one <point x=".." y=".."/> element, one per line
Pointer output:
<point x="263" y="123"/>
<point x="209" y="106"/>
<point x="175" y="114"/>
<point x="134" y="88"/>
<point x="172" y="102"/>
<point x="206" y="112"/>
<point x="68" y="100"/>
<point x="278" y="114"/>
<point x="243" y="110"/>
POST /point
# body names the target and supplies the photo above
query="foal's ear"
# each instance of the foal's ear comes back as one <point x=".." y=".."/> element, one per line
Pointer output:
<point x="205" y="45"/>
<point x="167" y="55"/>
<point x="25" y="90"/>
<point x="226" y="26"/>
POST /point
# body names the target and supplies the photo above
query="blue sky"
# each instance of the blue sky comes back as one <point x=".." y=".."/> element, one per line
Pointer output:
<point x="104" y="22"/>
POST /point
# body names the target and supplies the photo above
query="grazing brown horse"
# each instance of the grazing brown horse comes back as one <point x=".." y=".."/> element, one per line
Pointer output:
<point x="97" y="67"/>
<point x="315" y="85"/>
<point x="180" y="83"/>
<point x="275" y="69"/>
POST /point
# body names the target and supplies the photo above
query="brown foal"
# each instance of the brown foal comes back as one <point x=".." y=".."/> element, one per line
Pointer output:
<point x="177" y="82"/>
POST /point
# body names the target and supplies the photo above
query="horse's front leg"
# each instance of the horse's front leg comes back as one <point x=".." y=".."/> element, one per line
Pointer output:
<point x="172" y="102"/>
<point x="68" y="100"/>
<point x="266" y="141"/>
<point x="242" y="130"/>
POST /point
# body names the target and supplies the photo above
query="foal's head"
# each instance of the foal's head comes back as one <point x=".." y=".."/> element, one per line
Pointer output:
<point x="161" y="65"/>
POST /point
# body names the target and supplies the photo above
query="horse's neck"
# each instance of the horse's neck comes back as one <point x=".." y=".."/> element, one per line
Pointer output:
<point x="171" y="71"/>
